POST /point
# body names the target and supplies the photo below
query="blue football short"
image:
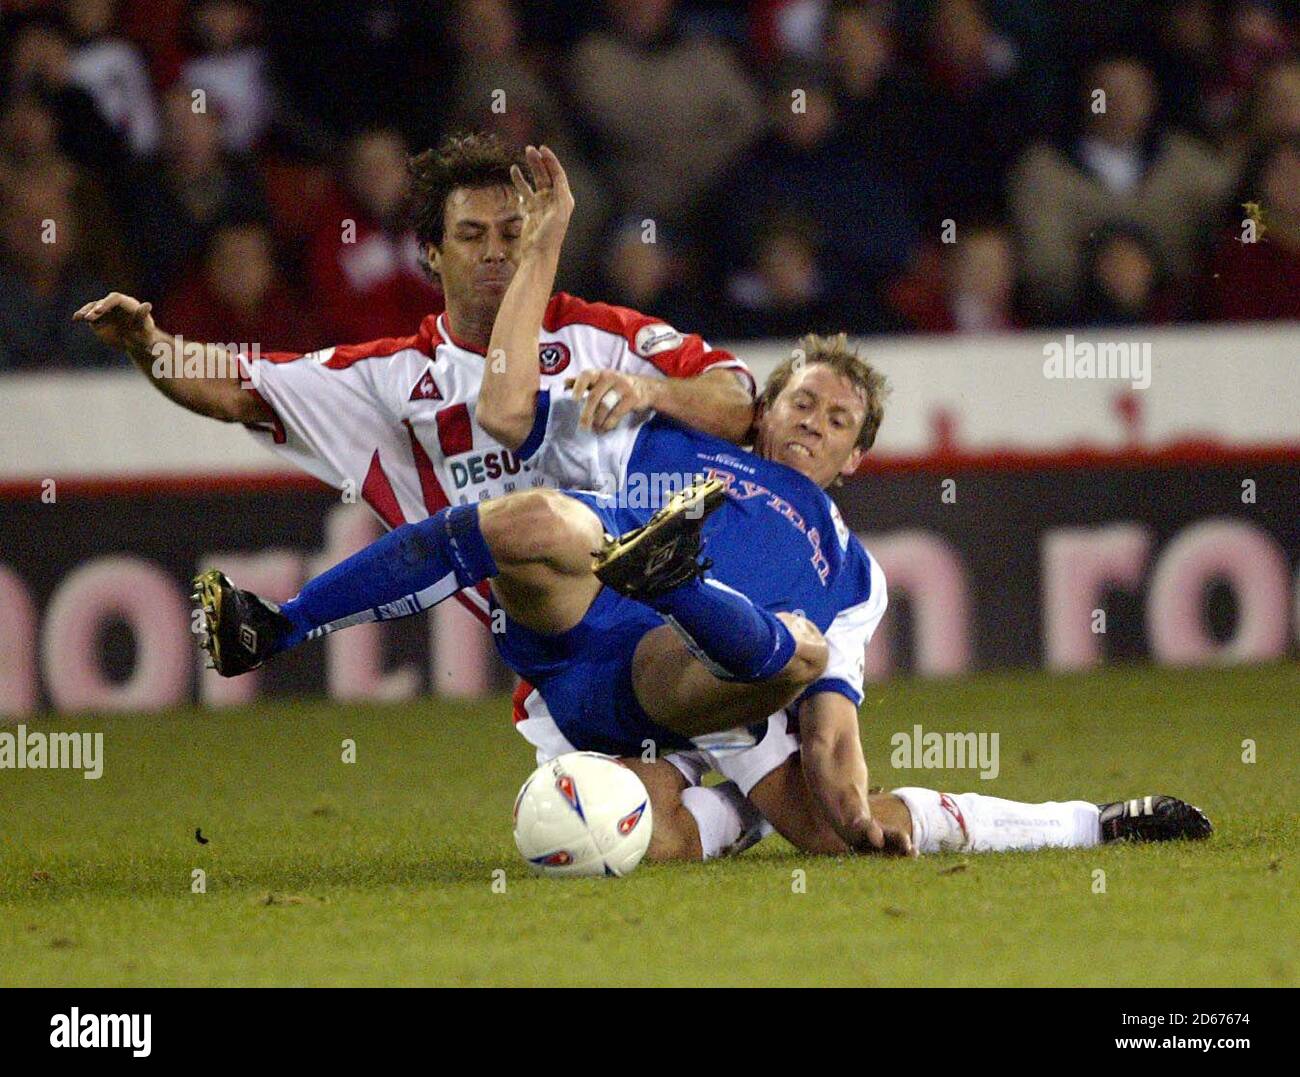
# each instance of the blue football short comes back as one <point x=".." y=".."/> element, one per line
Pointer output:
<point x="585" y="674"/>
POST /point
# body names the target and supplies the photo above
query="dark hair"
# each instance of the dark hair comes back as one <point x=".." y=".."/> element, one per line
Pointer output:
<point x="835" y="353"/>
<point x="474" y="160"/>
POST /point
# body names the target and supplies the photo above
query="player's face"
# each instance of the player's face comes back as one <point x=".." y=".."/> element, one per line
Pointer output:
<point x="813" y="425"/>
<point x="480" y="246"/>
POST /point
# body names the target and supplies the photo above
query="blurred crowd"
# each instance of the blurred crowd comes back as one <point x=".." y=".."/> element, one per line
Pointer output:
<point x="741" y="169"/>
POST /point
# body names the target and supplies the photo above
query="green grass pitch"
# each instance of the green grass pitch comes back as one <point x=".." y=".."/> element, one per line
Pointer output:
<point x="380" y="872"/>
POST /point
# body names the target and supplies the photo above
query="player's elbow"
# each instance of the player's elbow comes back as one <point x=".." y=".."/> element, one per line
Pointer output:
<point x="229" y="403"/>
<point x="811" y="652"/>
<point x="509" y="426"/>
<point x="808" y="663"/>
<point x="736" y="424"/>
<point x="732" y="409"/>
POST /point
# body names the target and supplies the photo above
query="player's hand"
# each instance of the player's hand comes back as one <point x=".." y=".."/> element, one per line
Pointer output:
<point x="119" y="321"/>
<point x="608" y="395"/>
<point x="884" y="841"/>
<point x="547" y="202"/>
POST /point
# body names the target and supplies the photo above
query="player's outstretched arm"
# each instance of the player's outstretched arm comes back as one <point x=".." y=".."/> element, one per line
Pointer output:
<point x="836" y="771"/>
<point x="511" y="379"/>
<point x="125" y="323"/>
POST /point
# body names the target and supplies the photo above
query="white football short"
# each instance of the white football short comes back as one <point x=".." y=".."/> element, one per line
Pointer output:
<point x="736" y="754"/>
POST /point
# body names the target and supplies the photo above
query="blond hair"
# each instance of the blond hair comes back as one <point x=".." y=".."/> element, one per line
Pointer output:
<point x="834" y="352"/>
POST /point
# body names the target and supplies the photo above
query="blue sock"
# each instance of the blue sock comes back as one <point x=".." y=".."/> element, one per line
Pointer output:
<point x="737" y="640"/>
<point x="410" y="569"/>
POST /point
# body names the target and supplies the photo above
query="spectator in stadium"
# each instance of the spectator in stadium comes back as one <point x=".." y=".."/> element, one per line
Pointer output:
<point x="364" y="263"/>
<point x="1256" y="40"/>
<point x="965" y="287"/>
<point x="41" y="64"/>
<point x="30" y="158"/>
<point x="783" y="288"/>
<point x="500" y="87"/>
<point x="882" y="104"/>
<point x="354" y="64"/>
<point x="1187" y="61"/>
<point x="1124" y="282"/>
<point x="705" y="110"/>
<point x="974" y="114"/>
<point x="784" y="30"/>
<point x="230" y="68"/>
<point x="1260" y="280"/>
<point x="112" y="69"/>
<point x="41" y="278"/>
<point x="192" y="188"/>
<point x="495" y="75"/>
<point x="808" y="168"/>
<point x="158" y="27"/>
<point x="1275" y="111"/>
<point x="644" y="270"/>
<point x="1117" y="166"/>
<point x="240" y="296"/>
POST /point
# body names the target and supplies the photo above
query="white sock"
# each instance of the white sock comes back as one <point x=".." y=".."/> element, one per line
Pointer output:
<point x="691" y="765"/>
<point x="972" y="823"/>
<point x="728" y="822"/>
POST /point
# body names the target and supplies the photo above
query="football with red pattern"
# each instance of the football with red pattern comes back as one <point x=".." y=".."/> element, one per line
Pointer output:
<point x="583" y="813"/>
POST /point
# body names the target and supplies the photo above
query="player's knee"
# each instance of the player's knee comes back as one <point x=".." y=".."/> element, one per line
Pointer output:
<point x="811" y="652"/>
<point x="535" y="525"/>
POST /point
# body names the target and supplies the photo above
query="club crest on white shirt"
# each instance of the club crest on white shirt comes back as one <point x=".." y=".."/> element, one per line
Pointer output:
<point x="553" y="356"/>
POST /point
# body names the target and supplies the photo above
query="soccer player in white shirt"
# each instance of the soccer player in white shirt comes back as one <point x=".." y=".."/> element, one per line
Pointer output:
<point x="393" y="419"/>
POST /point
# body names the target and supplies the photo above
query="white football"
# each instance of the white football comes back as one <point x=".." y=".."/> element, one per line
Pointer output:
<point x="583" y="813"/>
